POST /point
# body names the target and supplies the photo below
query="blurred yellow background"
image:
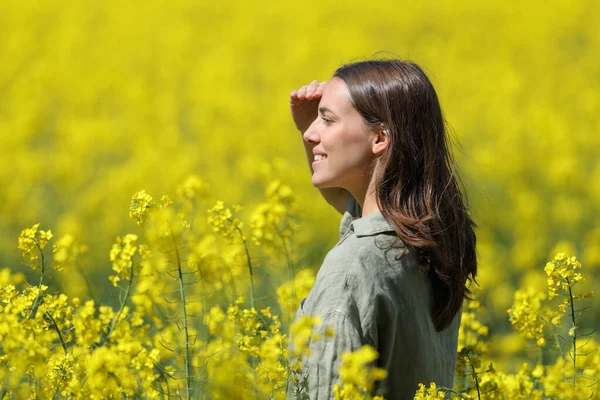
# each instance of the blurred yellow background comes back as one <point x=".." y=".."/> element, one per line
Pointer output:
<point x="102" y="99"/>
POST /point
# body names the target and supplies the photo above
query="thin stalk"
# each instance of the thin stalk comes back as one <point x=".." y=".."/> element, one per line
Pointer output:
<point x="289" y="260"/>
<point x="448" y="390"/>
<point x="251" y="298"/>
<point x="34" y="305"/>
<point x="290" y="271"/>
<point x="127" y="291"/>
<point x="188" y="365"/>
<point x="116" y="320"/>
<point x="475" y="376"/>
<point x="249" y="269"/>
<point x="87" y="281"/>
<point x="62" y="342"/>
<point x="574" y="332"/>
<point x="291" y="279"/>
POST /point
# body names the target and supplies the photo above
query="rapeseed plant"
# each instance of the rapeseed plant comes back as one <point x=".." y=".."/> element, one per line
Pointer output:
<point x="567" y="376"/>
<point x="160" y="342"/>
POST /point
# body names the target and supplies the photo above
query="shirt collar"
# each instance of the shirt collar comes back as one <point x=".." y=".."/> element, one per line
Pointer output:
<point x="371" y="224"/>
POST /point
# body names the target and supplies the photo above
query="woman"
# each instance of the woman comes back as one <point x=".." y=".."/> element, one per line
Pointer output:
<point x="378" y="152"/>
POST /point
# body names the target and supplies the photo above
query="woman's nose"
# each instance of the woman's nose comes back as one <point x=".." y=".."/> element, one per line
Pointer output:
<point x="310" y="135"/>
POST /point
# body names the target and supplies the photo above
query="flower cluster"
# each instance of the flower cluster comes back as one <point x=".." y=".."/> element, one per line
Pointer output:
<point x="122" y="257"/>
<point x="225" y="223"/>
<point x="252" y="343"/>
<point x="54" y="351"/>
<point x="290" y="293"/>
<point x="429" y="393"/>
<point x="530" y="317"/>
<point x="274" y="219"/>
<point x="562" y="276"/>
<point x="31" y="244"/>
<point x="140" y="204"/>
<point x="358" y="376"/>
<point x="472" y="332"/>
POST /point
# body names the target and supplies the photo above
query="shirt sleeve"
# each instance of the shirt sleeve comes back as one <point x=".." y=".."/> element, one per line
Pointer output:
<point x="321" y="368"/>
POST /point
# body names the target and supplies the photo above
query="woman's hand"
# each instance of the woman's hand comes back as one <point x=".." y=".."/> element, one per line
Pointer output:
<point x="304" y="104"/>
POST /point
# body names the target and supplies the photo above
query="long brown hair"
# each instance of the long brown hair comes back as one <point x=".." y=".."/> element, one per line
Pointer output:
<point x="418" y="189"/>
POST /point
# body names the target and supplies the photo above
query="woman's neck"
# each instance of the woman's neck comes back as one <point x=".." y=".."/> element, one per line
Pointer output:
<point x="366" y="198"/>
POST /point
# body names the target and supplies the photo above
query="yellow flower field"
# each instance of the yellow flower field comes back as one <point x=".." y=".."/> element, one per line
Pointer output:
<point x="159" y="223"/>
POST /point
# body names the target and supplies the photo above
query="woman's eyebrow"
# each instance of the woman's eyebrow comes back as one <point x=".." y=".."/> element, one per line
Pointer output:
<point x="322" y="110"/>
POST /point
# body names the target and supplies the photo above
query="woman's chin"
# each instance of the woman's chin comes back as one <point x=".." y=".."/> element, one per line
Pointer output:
<point x="317" y="183"/>
<point x="321" y="184"/>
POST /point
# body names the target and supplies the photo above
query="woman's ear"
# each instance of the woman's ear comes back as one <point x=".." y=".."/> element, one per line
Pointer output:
<point x="381" y="140"/>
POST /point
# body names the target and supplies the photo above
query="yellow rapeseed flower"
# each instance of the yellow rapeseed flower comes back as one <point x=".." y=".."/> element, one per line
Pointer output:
<point x="31" y="242"/>
<point x="141" y="202"/>
<point x="562" y="275"/>
<point x="428" y="393"/>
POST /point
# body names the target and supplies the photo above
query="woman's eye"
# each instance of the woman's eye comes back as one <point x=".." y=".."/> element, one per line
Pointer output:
<point x="327" y="121"/>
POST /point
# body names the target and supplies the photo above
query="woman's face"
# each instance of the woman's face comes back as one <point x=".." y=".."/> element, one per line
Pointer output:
<point x="339" y="133"/>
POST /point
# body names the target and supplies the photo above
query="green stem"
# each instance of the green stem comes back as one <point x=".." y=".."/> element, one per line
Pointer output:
<point x="127" y="291"/>
<point x="62" y="342"/>
<point x="251" y="298"/>
<point x="456" y="392"/>
<point x="574" y="331"/>
<point x="34" y="305"/>
<point x="291" y="279"/>
<point x="288" y="259"/>
<point x="87" y="281"/>
<point x="188" y="364"/>
<point x="290" y="270"/>
<point x="249" y="268"/>
<point x="475" y="376"/>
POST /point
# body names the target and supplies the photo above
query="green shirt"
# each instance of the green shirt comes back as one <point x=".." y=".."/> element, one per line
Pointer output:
<point x="368" y="295"/>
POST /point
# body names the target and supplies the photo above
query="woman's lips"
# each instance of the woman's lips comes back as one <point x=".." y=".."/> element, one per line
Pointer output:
<point x="316" y="162"/>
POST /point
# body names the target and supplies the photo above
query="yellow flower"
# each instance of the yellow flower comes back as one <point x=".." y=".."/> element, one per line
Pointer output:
<point x="165" y="201"/>
<point x="31" y="242"/>
<point x="122" y="257"/>
<point x="273" y="220"/>
<point x="472" y="331"/>
<point x="141" y="202"/>
<point x="289" y="294"/>
<point x="357" y="374"/>
<point x="45" y="237"/>
<point x="428" y="393"/>
<point x="528" y="315"/>
<point x="302" y="334"/>
<point x="561" y="274"/>
<point x="222" y="220"/>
